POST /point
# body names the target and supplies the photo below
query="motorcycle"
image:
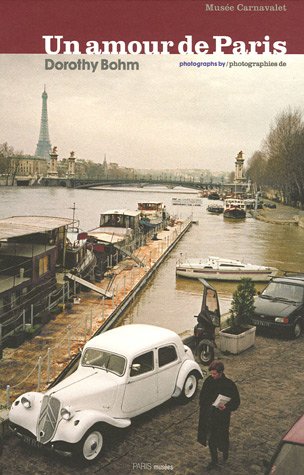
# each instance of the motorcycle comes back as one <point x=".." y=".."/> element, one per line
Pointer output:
<point x="207" y="321"/>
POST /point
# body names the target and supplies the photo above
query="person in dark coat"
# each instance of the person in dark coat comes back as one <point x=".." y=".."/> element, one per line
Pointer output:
<point x="214" y="421"/>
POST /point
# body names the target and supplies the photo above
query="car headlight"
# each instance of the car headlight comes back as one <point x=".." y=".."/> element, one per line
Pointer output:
<point x="281" y="320"/>
<point x="26" y="401"/>
<point x="67" y="413"/>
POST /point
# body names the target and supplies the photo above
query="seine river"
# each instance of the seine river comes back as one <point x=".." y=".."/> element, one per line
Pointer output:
<point x="169" y="301"/>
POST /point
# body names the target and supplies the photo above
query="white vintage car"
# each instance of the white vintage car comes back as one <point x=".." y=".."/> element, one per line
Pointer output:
<point x="122" y="373"/>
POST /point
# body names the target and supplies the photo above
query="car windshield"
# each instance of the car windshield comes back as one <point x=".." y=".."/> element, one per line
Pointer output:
<point x="289" y="461"/>
<point x="104" y="360"/>
<point x="282" y="291"/>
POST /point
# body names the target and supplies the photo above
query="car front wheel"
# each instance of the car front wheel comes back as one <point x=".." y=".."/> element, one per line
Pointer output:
<point x="189" y="388"/>
<point x="297" y="330"/>
<point x="90" y="446"/>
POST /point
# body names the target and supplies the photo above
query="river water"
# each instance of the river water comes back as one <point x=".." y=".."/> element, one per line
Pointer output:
<point x="168" y="300"/>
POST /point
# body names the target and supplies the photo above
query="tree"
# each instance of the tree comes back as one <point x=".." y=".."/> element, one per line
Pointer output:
<point x="242" y="305"/>
<point x="284" y="149"/>
<point x="257" y="168"/>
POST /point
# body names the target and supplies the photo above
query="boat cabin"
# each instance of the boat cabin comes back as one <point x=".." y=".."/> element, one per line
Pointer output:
<point x="117" y="229"/>
<point x="153" y="215"/>
<point x="151" y="207"/>
<point x="125" y="219"/>
<point x="235" y="203"/>
<point x="30" y="249"/>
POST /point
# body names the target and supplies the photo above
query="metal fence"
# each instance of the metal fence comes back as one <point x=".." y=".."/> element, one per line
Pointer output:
<point x="22" y="323"/>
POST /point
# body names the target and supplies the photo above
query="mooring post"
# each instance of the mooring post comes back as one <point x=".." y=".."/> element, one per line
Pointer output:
<point x="69" y="341"/>
<point x="49" y="362"/>
<point x="23" y="319"/>
<point x="8" y="396"/>
<point x="91" y="322"/>
<point x="32" y="315"/>
<point x="85" y="329"/>
<point x="39" y="373"/>
<point x="103" y="308"/>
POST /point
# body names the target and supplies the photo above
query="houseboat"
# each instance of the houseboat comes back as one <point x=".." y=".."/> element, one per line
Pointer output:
<point x="234" y="209"/>
<point x="33" y="251"/>
<point x="118" y="234"/>
<point x="153" y="215"/>
<point x="215" y="209"/>
<point x="213" y="195"/>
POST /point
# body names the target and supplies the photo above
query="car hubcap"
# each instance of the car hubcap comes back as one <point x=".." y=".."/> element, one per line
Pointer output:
<point x="205" y="354"/>
<point x="190" y="386"/>
<point x="92" y="445"/>
<point x="297" y="330"/>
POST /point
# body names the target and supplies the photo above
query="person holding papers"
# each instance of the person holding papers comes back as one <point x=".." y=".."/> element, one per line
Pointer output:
<point x="218" y="398"/>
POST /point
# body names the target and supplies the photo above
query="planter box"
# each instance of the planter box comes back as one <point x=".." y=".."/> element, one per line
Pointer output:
<point x="235" y="344"/>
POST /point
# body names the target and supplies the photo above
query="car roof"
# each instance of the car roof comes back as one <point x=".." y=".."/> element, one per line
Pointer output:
<point x="291" y="279"/>
<point x="295" y="435"/>
<point x="134" y="338"/>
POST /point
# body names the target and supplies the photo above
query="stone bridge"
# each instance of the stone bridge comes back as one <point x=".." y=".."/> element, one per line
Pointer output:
<point x="139" y="182"/>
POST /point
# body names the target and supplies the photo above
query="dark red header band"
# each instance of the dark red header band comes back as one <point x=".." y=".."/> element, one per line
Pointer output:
<point x="24" y="22"/>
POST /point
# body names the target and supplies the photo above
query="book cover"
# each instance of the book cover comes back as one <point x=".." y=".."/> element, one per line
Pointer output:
<point x="173" y="93"/>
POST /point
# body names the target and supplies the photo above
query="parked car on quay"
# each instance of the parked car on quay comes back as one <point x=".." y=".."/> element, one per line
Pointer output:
<point x="122" y="373"/>
<point x="280" y="307"/>
<point x="269" y="204"/>
<point x="289" y="455"/>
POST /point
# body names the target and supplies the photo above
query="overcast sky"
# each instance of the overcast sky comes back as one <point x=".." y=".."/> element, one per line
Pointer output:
<point x="162" y="116"/>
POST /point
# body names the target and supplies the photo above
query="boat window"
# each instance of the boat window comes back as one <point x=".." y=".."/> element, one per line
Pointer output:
<point x="44" y="265"/>
<point x="166" y="355"/>
<point x="104" y="360"/>
<point x="232" y="265"/>
<point x="142" y="364"/>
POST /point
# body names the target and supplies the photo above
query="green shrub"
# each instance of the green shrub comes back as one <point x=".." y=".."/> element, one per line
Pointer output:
<point x="242" y="305"/>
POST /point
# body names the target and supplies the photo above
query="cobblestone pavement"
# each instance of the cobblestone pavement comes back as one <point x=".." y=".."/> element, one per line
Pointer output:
<point x="271" y="384"/>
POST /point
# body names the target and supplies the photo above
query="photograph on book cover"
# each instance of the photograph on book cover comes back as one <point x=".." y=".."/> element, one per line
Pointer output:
<point x="128" y="161"/>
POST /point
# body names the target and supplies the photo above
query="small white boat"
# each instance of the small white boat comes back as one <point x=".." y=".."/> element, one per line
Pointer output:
<point x="216" y="268"/>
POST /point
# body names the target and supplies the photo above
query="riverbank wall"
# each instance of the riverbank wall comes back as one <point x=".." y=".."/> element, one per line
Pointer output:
<point x="280" y="215"/>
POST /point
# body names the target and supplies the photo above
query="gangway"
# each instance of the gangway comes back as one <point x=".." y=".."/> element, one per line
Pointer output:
<point x="89" y="285"/>
<point x="130" y="254"/>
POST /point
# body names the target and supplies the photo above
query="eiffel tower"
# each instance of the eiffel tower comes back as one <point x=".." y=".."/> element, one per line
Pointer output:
<point x="44" y="145"/>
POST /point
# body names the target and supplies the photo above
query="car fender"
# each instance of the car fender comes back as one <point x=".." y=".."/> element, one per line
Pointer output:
<point x="26" y="418"/>
<point x="73" y="430"/>
<point x="187" y="367"/>
<point x="300" y="319"/>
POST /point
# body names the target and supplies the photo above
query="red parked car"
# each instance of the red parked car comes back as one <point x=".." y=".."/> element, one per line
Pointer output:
<point x="289" y="456"/>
